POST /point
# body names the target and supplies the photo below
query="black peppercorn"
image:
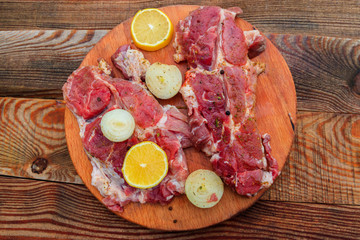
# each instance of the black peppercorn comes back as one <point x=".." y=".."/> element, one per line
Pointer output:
<point x="227" y="113"/>
<point x="222" y="71"/>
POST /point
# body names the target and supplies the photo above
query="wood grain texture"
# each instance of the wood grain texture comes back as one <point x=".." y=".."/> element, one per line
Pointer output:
<point x="42" y="209"/>
<point x="275" y="100"/>
<point x="324" y="17"/>
<point x="37" y="63"/>
<point x="324" y="68"/>
<point x="313" y="173"/>
<point x="323" y="165"/>
<point x="32" y="140"/>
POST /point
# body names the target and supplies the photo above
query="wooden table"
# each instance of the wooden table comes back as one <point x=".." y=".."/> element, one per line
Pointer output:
<point x="318" y="192"/>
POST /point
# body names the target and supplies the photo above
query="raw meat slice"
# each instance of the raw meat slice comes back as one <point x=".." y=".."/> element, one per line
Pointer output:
<point x="131" y="63"/>
<point x="175" y="123"/>
<point x="233" y="41"/>
<point x="255" y="42"/>
<point x="85" y="93"/>
<point x="195" y="38"/>
<point x="208" y="93"/>
<point x="221" y="101"/>
<point x="153" y="123"/>
<point x="143" y="107"/>
<point x="209" y="34"/>
<point x="105" y="67"/>
<point x="98" y="146"/>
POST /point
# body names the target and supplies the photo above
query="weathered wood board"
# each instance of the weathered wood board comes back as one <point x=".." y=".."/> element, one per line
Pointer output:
<point x="311" y="174"/>
<point x="49" y="210"/>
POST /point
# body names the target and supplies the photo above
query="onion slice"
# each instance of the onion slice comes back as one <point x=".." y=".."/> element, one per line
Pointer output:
<point x="164" y="81"/>
<point x="204" y="188"/>
<point x="117" y="125"/>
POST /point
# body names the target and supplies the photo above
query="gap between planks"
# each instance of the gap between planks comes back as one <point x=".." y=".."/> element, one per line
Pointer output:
<point x="323" y="17"/>
<point x="44" y="209"/>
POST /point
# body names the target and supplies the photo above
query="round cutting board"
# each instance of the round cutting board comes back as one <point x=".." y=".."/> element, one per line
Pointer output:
<point x="276" y="102"/>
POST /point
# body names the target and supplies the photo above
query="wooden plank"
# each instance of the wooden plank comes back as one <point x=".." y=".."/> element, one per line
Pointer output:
<point x="324" y="17"/>
<point x="37" y="63"/>
<point x="33" y="140"/>
<point x="46" y="209"/>
<point x="325" y="70"/>
<point x="323" y="165"/>
<point x="313" y="172"/>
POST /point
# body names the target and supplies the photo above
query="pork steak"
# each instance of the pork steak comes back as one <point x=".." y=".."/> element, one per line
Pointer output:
<point x="220" y="91"/>
<point x="90" y="93"/>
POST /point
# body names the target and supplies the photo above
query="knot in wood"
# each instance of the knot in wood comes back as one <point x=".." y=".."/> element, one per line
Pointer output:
<point x="39" y="165"/>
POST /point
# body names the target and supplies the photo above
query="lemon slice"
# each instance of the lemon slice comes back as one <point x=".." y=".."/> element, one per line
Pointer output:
<point x="151" y="29"/>
<point x="145" y="165"/>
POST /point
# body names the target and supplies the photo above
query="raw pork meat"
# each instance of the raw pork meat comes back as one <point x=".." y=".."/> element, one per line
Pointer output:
<point x="219" y="91"/>
<point x="90" y="93"/>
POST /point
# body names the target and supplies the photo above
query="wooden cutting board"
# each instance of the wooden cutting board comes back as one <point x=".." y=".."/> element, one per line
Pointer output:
<point x="275" y="113"/>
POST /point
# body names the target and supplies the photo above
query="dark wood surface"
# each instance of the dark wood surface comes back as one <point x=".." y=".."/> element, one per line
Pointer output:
<point x="318" y="194"/>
